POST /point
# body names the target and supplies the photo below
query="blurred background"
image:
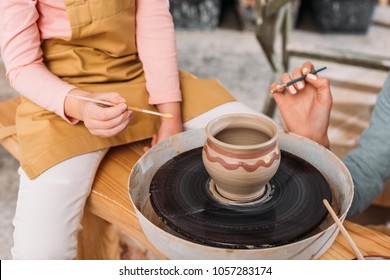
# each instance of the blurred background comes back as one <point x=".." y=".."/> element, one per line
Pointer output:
<point x="247" y="44"/>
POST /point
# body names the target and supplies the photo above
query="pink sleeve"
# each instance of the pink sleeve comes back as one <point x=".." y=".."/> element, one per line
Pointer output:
<point x="157" y="50"/>
<point x="20" y="50"/>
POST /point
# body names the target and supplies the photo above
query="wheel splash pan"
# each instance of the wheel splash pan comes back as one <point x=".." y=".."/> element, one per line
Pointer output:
<point x="176" y="246"/>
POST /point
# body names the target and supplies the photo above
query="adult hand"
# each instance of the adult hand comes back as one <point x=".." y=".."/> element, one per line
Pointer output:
<point x="305" y="107"/>
<point x="100" y="120"/>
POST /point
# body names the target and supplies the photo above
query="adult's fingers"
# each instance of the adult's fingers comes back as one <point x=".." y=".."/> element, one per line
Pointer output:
<point x="297" y="73"/>
<point x="322" y="86"/>
<point x="273" y="87"/>
<point x="285" y="78"/>
<point x="307" y="67"/>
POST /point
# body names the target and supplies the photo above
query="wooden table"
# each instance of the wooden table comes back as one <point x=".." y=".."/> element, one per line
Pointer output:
<point x="109" y="208"/>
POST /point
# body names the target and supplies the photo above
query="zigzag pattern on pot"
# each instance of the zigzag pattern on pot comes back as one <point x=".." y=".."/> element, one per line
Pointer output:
<point x="266" y="161"/>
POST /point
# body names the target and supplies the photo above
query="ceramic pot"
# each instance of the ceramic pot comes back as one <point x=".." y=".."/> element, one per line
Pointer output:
<point x="241" y="154"/>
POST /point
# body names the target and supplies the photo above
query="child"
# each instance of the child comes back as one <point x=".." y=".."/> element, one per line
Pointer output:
<point x="121" y="51"/>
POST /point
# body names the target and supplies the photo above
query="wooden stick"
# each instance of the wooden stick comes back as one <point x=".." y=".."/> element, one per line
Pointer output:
<point x="102" y="102"/>
<point x="343" y="230"/>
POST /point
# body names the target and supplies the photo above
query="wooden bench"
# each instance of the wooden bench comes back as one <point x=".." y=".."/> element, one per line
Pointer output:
<point x="109" y="210"/>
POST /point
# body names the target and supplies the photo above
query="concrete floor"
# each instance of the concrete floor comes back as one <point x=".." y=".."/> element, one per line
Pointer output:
<point x="232" y="56"/>
<point x="9" y="180"/>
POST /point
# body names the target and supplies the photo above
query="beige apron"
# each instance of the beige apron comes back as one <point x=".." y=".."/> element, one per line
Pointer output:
<point x="101" y="55"/>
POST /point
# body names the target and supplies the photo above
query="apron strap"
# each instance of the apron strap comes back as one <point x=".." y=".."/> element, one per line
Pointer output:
<point x="7" y="131"/>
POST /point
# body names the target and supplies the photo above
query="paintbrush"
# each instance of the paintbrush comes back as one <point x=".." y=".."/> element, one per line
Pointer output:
<point x="296" y="80"/>
<point x="102" y="102"/>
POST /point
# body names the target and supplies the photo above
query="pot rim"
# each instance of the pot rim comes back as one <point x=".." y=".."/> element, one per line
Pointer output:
<point x="218" y="119"/>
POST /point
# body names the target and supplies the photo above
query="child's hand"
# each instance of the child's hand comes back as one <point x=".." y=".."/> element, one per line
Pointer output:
<point x="168" y="127"/>
<point x="100" y="120"/>
<point x="306" y="105"/>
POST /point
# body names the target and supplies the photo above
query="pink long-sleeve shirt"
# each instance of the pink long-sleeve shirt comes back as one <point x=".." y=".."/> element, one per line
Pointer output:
<point x="24" y="24"/>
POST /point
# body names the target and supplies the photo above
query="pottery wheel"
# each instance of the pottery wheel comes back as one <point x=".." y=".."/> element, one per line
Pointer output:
<point x="291" y="209"/>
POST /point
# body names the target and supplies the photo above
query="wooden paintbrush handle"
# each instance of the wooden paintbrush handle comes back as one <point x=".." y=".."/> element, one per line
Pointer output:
<point x="343" y="230"/>
<point x="107" y="103"/>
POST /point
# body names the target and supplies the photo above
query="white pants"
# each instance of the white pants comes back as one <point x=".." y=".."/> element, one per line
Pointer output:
<point x="49" y="208"/>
